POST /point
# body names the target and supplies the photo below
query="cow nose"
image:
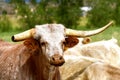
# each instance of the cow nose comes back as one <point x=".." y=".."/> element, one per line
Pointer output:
<point x="57" y="60"/>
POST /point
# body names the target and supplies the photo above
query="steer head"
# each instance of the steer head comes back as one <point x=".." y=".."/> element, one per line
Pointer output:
<point x="53" y="39"/>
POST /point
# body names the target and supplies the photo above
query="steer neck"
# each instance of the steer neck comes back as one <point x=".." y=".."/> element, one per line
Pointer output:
<point x="54" y="73"/>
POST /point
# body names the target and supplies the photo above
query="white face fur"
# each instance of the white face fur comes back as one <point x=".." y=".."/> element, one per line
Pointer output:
<point x="51" y="37"/>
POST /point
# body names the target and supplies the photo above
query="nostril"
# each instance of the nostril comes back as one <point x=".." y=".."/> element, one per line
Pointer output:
<point x="61" y="58"/>
<point x="53" y="58"/>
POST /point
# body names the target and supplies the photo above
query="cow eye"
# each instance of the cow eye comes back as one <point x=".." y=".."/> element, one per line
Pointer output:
<point x="63" y="43"/>
<point x="43" y="43"/>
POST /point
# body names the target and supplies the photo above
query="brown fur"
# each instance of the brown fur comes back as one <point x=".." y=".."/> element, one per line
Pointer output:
<point x="23" y="62"/>
<point x="86" y="40"/>
<point x="71" y="41"/>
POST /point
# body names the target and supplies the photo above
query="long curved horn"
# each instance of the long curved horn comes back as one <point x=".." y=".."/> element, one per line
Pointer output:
<point x="24" y="35"/>
<point x="71" y="32"/>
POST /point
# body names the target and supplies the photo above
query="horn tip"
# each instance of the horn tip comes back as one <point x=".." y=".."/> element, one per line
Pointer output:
<point x="13" y="39"/>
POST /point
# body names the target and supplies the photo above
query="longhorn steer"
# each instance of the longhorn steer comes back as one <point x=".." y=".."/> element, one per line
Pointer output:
<point x="88" y="68"/>
<point x="41" y="53"/>
<point x="100" y="71"/>
<point x="84" y="61"/>
<point x="107" y="50"/>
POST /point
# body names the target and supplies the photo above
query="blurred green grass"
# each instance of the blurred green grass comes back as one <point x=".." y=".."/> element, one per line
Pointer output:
<point x="7" y="35"/>
<point x="112" y="31"/>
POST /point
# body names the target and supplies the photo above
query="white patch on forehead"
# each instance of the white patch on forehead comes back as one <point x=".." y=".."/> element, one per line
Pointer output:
<point x="49" y="30"/>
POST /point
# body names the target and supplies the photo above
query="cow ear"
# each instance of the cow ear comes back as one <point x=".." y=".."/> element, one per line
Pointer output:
<point x="31" y="44"/>
<point x="86" y="40"/>
<point x="71" y="41"/>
